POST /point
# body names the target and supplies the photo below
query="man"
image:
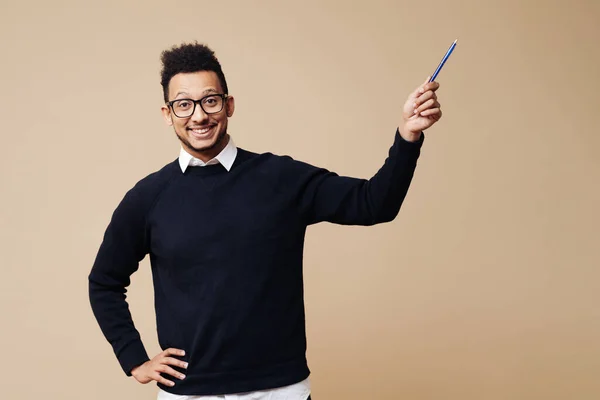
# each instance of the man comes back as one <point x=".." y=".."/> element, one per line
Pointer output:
<point x="224" y="228"/>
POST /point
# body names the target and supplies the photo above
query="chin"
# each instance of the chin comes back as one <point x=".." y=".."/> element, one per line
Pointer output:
<point x="202" y="145"/>
<point x="207" y="144"/>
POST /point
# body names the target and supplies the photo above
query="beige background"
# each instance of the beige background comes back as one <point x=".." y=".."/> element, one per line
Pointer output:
<point x="486" y="286"/>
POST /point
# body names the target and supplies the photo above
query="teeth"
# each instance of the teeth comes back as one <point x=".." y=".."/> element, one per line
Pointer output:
<point x="201" y="131"/>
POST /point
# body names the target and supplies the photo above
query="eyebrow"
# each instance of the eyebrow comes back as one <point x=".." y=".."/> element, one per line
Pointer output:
<point x="207" y="91"/>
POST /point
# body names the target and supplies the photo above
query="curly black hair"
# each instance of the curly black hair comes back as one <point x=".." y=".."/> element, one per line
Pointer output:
<point x="189" y="57"/>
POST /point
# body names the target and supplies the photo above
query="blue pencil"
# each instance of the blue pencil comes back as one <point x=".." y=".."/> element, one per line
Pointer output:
<point x="439" y="68"/>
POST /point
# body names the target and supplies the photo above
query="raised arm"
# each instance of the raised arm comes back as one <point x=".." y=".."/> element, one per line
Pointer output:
<point x="325" y="196"/>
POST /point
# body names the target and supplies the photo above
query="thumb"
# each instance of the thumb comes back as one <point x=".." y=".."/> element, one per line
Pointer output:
<point x="419" y="90"/>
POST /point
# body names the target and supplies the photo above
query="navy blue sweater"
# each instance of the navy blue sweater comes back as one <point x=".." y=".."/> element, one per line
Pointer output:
<point x="226" y="256"/>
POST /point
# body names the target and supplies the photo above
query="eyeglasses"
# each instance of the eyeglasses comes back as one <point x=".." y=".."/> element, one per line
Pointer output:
<point x="210" y="104"/>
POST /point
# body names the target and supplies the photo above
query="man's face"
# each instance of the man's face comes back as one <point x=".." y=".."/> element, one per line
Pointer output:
<point x="201" y="134"/>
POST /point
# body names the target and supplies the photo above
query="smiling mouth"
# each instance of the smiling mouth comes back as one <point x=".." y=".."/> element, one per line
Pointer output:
<point x="201" y="132"/>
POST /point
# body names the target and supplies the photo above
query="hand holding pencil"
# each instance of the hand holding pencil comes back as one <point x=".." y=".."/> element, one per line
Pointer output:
<point x="422" y="108"/>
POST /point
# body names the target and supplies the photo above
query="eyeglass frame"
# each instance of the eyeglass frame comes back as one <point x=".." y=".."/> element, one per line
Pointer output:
<point x="223" y="97"/>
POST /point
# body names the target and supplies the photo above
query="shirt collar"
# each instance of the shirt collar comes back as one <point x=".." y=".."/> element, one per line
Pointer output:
<point x="226" y="157"/>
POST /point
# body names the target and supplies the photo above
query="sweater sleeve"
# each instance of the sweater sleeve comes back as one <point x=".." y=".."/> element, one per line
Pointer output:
<point x="123" y="247"/>
<point x="326" y="196"/>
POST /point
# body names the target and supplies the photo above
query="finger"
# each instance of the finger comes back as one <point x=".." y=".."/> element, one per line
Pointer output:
<point x="418" y="91"/>
<point x="432" y="112"/>
<point x="173" y="352"/>
<point x="423" y="84"/>
<point x="168" y="370"/>
<point x="424" y="97"/>
<point x="433" y="86"/>
<point x="431" y="103"/>
<point x="174" y="361"/>
<point x="158" y="378"/>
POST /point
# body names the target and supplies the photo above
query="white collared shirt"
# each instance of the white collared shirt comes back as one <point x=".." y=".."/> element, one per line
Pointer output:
<point x="226" y="157"/>
<point x="297" y="391"/>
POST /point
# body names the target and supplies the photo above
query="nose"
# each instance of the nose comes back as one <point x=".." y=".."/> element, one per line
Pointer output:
<point x="199" y="114"/>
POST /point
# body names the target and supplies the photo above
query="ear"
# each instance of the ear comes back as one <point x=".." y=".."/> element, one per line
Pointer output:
<point x="230" y="106"/>
<point x="166" y="112"/>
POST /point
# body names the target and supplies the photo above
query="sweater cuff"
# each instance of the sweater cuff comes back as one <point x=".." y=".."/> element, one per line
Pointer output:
<point x="404" y="142"/>
<point x="133" y="354"/>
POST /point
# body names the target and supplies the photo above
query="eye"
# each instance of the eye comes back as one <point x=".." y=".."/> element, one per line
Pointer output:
<point x="183" y="104"/>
